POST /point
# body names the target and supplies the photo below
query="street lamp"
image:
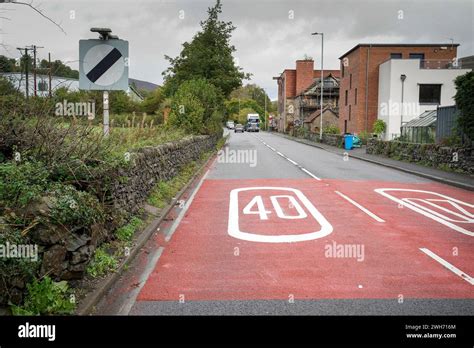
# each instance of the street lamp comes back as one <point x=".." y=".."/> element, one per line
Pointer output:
<point x="402" y="78"/>
<point x="322" y="86"/>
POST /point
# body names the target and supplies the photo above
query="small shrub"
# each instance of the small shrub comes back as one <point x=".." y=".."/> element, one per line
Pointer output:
<point x="21" y="183"/>
<point x="331" y="129"/>
<point x="102" y="262"/>
<point x="45" y="297"/>
<point x="125" y="233"/>
<point x="74" y="208"/>
<point x="379" y="127"/>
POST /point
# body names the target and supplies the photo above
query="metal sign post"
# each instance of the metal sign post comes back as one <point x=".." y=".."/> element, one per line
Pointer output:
<point x="106" y="113"/>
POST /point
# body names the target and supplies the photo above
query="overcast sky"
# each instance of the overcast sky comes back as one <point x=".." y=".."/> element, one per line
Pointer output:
<point x="270" y="34"/>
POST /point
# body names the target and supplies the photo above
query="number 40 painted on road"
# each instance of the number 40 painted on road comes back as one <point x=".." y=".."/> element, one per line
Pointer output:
<point x="258" y="201"/>
<point x="295" y="197"/>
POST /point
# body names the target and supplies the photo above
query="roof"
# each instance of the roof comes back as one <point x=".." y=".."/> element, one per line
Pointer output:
<point x="398" y="45"/>
<point x="317" y="82"/>
<point x="426" y="119"/>
<point x="140" y="84"/>
<point x="314" y="115"/>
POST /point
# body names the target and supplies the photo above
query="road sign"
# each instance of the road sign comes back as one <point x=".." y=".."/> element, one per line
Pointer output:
<point x="103" y="64"/>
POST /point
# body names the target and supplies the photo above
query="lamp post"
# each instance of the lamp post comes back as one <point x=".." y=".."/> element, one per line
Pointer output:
<point x="322" y="86"/>
<point x="402" y="78"/>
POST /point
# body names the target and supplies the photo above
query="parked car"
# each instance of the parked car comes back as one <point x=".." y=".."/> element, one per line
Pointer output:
<point x="239" y="128"/>
<point x="230" y="125"/>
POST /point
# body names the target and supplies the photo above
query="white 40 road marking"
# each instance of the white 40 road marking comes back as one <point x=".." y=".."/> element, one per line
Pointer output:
<point x="257" y="201"/>
<point x="463" y="215"/>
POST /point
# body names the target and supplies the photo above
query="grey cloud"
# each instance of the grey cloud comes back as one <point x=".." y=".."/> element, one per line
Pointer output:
<point x="267" y="40"/>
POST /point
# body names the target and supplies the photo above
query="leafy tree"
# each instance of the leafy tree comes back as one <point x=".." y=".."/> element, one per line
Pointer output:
<point x="254" y="92"/>
<point x="7" y="88"/>
<point x="379" y="127"/>
<point x="241" y="117"/>
<point x="152" y="102"/>
<point x="465" y="103"/>
<point x="196" y="107"/>
<point x="234" y="106"/>
<point x="208" y="56"/>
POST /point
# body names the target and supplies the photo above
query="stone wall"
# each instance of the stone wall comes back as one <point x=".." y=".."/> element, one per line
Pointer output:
<point x="64" y="254"/>
<point x="150" y="165"/>
<point x="460" y="159"/>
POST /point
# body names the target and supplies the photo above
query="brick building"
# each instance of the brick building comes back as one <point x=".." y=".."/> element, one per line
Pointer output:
<point x="358" y="106"/>
<point x="294" y="82"/>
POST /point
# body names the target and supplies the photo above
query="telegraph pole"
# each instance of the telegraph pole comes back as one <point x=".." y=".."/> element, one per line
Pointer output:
<point x="26" y="68"/>
<point x="34" y="48"/>
<point x="49" y="73"/>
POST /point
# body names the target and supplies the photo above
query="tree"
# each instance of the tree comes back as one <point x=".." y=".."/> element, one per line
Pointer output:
<point x="379" y="127"/>
<point x="465" y="103"/>
<point x="208" y="56"/>
<point x="234" y="106"/>
<point x="241" y="117"/>
<point x="196" y="107"/>
<point x="152" y="102"/>
<point x="254" y="92"/>
<point x="7" y="88"/>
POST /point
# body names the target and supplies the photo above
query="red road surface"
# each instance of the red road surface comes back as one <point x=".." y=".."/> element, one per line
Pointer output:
<point x="203" y="262"/>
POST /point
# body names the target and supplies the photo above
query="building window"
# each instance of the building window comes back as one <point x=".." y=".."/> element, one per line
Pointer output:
<point x="342" y="69"/>
<point x="420" y="56"/>
<point x="355" y="97"/>
<point x="430" y="94"/>
<point x="417" y="56"/>
<point x="350" y="81"/>
<point x="396" y="56"/>
<point x="345" y="97"/>
<point x="350" y="112"/>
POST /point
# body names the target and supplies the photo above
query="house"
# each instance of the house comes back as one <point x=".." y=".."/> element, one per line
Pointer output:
<point x="310" y="99"/>
<point x="359" y="84"/>
<point x="408" y="89"/>
<point x="313" y="122"/>
<point x="42" y="84"/>
<point x="291" y="83"/>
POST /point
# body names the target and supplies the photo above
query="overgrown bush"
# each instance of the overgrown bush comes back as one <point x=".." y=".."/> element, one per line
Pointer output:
<point x="197" y="107"/>
<point x="46" y="297"/>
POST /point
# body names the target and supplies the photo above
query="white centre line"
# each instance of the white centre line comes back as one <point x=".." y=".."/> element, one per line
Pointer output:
<point x="310" y="174"/>
<point x="449" y="266"/>
<point x="368" y="212"/>
<point x="289" y="159"/>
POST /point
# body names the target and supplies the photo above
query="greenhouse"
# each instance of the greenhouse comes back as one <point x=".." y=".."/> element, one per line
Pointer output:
<point x="421" y="129"/>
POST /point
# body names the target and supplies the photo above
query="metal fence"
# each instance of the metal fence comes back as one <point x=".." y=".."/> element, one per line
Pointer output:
<point x="446" y="122"/>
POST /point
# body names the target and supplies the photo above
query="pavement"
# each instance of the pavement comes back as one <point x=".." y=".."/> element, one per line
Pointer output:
<point x="465" y="181"/>
<point x="282" y="228"/>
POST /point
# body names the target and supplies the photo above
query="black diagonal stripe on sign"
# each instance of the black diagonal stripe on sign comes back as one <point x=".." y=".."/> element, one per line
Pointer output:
<point x="104" y="65"/>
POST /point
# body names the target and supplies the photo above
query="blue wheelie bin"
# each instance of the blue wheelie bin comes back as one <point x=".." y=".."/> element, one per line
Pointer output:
<point x="348" y="141"/>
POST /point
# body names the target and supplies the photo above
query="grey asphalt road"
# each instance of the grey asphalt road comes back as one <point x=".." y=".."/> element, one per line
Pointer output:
<point x="321" y="163"/>
<point x="273" y="157"/>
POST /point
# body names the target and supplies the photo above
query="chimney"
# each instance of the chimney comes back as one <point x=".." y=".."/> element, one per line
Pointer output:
<point x="304" y="74"/>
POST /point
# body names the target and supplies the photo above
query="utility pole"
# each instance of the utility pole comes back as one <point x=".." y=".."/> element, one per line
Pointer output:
<point x="49" y="73"/>
<point x="265" y="109"/>
<point x="27" y="61"/>
<point x="34" y="48"/>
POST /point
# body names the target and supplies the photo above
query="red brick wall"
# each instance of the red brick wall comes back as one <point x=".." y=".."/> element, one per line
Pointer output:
<point x="304" y="74"/>
<point x="357" y="61"/>
<point x="290" y="81"/>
